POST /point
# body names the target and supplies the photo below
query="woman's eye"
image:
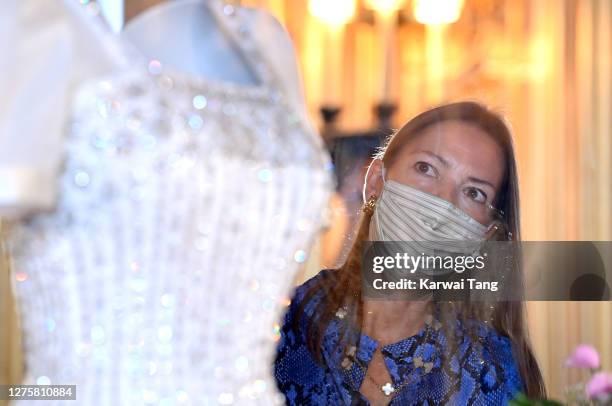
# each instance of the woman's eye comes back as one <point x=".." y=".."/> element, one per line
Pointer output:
<point x="425" y="168"/>
<point x="476" y="194"/>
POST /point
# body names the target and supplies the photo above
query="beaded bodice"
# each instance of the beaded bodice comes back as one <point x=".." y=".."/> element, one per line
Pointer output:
<point x="185" y="208"/>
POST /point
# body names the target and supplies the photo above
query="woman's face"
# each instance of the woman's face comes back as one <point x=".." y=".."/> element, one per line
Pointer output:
<point x="455" y="161"/>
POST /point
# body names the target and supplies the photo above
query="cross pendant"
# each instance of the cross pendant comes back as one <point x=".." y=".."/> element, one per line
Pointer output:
<point x="387" y="389"/>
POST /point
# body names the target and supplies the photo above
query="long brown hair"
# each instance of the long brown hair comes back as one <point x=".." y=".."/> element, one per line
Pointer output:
<point x="342" y="287"/>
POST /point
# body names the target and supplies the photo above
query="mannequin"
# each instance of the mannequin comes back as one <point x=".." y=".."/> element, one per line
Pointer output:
<point x="50" y="58"/>
<point x="127" y="279"/>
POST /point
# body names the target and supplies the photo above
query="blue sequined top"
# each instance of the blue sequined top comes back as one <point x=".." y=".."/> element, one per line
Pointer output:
<point x="480" y="371"/>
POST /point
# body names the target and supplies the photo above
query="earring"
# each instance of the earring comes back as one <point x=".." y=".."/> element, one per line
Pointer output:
<point x="368" y="208"/>
<point x="497" y="232"/>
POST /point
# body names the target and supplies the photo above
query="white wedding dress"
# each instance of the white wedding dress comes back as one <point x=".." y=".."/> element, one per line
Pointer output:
<point x="184" y="209"/>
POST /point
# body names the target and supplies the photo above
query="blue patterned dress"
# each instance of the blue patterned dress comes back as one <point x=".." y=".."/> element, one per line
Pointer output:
<point x="479" y="371"/>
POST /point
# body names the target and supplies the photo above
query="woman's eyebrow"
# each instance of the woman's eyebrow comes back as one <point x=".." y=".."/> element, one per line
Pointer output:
<point x="447" y="164"/>
<point x="482" y="181"/>
<point x="436" y="156"/>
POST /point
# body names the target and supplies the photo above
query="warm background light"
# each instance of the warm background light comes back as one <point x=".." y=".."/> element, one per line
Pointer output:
<point x="333" y="12"/>
<point x="437" y="11"/>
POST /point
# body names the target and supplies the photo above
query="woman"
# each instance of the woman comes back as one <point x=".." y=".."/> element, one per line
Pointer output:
<point x="338" y="347"/>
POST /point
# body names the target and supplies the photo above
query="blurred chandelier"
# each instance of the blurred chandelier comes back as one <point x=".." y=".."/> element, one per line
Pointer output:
<point x="436" y="12"/>
<point x="335" y="14"/>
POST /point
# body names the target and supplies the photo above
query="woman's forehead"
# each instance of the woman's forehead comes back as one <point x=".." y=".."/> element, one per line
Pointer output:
<point x="455" y="136"/>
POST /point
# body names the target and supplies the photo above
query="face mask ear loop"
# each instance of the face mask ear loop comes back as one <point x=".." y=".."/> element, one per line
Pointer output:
<point x="384" y="173"/>
<point x="377" y="224"/>
<point x="378" y="229"/>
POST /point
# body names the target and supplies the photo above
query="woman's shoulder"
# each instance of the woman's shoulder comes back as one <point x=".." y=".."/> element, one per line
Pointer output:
<point x="498" y="343"/>
<point x="305" y="288"/>
<point x="498" y="360"/>
<point x="306" y="298"/>
<point x="298" y="374"/>
<point x="493" y="342"/>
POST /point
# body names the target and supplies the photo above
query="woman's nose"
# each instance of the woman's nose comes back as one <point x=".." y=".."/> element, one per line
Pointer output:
<point x="447" y="193"/>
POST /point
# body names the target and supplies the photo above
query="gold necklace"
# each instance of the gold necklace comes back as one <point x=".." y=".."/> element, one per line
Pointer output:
<point x="387" y="388"/>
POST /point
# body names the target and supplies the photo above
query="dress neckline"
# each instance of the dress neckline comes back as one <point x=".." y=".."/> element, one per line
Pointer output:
<point x="392" y="347"/>
<point x="229" y="18"/>
<point x="427" y="329"/>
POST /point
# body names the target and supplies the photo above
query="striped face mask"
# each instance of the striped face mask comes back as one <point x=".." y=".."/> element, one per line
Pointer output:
<point x="404" y="213"/>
